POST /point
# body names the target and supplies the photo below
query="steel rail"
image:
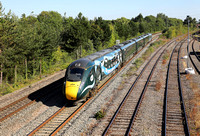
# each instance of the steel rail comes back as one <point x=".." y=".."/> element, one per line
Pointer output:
<point x="185" y="122"/>
<point x="195" y="52"/>
<point x="165" y="98"/>
<point x="143" y="92"/>
<point x="17" y="110"/>
<point x="192" y="60"/>
<point x="25" y="105"/>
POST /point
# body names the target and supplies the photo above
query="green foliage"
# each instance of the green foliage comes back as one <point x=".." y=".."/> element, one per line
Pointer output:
<point x="175" y="31"/>
<point x="113" y="38"/>
<point x="100" y="114"/>
<point x="5" y="89"/>
<point x="156" y="44"/>
<point x="165" y="56"/>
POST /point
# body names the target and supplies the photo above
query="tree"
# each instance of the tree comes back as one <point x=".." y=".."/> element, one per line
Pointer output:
<point x="150" y="23"/>
<point x="67" y="23"/>
<point x="27" y="43"/>
<point x="123" y="28"/>
<point x="160" y="24"/>
<point x="139" y="18"/>
<point x="49" y="35"/>
<point x="78" y="34"/>
<point x="134" y="27"/>
<point x="96" y="36"/>
<point x="106" y="29"/>
<point x="192" y="21"/>
<point x="8" y="58"/>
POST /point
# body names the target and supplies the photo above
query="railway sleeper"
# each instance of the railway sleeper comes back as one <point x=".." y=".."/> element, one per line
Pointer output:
<point x="176" y="129"/>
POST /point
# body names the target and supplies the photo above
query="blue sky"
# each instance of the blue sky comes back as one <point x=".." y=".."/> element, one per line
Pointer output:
<point x="108" y="9"/>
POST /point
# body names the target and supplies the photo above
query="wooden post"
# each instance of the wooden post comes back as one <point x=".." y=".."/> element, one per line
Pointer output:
<point x="1" y="79"/>
<point x="40" y="67"/>
<point x="77" y="54"/>
<point x="81" y="51"/>
<point x="1" y="69"/>
<point x="15" y="74"/>
<point x="26" y="68"/>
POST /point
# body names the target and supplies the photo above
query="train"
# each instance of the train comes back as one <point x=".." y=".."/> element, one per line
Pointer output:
<point x="83" y="76"/>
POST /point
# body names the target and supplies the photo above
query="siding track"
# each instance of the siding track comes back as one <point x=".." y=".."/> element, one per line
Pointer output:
<point x="174" y="116"/>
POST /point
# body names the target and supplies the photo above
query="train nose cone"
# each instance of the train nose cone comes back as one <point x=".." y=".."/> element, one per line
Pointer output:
<point x="71" y="90"/>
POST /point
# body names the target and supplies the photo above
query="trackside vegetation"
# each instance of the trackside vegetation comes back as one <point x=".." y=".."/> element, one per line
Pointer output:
<point x="33" y="46"/>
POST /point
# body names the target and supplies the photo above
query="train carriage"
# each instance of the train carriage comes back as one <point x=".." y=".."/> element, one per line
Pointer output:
<point x="85" y="74"/>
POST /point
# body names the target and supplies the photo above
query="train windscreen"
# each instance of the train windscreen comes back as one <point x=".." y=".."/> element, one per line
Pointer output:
<point x="75" y="74"/>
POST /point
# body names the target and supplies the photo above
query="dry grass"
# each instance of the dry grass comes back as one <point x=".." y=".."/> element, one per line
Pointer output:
<point x="195" y="111"/>
<point x="158" y="86"/>
<point x="188" y="76"/>
<point x="194" y="85"/>
<point x="165" y="57"/>
<point x="164" y="61"/>
<point x="120" y="87"/>
<point x="195" y="115"/>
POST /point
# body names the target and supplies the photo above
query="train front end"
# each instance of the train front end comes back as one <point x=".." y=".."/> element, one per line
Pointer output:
<point x="76" y="79"/>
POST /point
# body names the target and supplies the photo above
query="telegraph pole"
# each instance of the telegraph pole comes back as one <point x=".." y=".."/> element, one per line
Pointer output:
<point x="189" y="70"/>
<point x="188" y="43"/>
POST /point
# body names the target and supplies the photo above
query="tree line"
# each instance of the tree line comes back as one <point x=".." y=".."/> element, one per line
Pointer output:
<point x="36" y="44"/>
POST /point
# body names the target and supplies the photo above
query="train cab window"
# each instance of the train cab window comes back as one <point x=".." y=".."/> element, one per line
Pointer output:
<point x="75" y="74"/>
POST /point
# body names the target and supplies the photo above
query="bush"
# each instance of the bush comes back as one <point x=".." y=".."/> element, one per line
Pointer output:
<point x="100" y="114"/>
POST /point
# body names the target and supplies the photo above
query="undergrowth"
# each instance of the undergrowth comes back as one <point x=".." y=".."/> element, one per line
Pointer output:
<point x="100" y="114"/>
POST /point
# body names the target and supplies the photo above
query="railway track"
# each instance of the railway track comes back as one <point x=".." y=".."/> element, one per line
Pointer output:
<point x="174" y="116"/>
<point x="196" y="53"/>
<point x="195" y="59"/>
<point x="122" y="121"/>
<point x="53" y="124"/>
<point x="27" y="100"/>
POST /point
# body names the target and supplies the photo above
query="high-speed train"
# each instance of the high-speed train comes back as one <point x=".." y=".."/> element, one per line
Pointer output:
<point x="85" y="74"/>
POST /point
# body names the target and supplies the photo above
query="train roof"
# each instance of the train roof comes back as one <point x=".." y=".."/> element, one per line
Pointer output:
<point x="101" y="53"/>
<point x="80" y="63"/>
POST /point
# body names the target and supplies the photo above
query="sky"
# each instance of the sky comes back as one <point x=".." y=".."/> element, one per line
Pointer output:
<point x="107" y="9"/>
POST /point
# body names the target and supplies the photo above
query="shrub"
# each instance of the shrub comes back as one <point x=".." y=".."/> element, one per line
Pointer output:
<point x="100" y="114"/>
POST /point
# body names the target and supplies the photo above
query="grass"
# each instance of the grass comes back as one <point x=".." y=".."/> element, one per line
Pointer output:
<point x="137" y="63"/>
<point x="195" y="110"/>
<point x="158" y="86"/>
<point x="195" y="114"/>
<point x="165" y="57"/>
<point x="100" y="114"/>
